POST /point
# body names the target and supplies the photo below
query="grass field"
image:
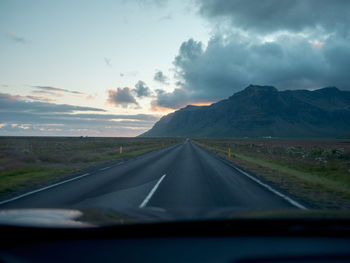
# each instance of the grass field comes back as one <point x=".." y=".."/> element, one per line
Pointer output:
<point x="30" y="161"/>
<point x="317" y="171"/>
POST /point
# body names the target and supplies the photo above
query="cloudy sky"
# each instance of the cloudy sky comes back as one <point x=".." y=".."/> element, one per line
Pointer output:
<point x="113" y="68"/>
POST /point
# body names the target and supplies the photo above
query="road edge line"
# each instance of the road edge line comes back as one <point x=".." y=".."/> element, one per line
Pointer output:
<point x="105" y="168"/>
<point x="253" y="178"/>
<point x="80" y="176"/>
<point x="288" y="199"/>
<point x="42" y="189"/>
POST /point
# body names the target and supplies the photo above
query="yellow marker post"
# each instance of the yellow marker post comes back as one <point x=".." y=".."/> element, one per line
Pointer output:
<point x="121" y="149"/>
<point x="229" y="153"/>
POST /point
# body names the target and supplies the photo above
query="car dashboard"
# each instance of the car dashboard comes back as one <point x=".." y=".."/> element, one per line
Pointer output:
<point x="200" y="241"/>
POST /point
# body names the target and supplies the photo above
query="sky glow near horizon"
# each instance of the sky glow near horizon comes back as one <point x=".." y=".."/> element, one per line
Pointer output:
<point x="113" y="68"/>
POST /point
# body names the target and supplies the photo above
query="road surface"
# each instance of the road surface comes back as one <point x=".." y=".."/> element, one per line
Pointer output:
<point x="183" y="179"/>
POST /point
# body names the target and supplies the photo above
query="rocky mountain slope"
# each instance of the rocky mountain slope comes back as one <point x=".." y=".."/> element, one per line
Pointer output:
<point x="260" y="111"/>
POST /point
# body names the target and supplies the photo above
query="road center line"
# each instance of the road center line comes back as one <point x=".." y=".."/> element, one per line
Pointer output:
<point x="148" y="197"/>
<point x="42" y="189"/>
<point x="105" y="168"/>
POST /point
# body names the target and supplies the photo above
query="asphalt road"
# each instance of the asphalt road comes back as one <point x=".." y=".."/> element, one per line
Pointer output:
<point x="183" y="179"/>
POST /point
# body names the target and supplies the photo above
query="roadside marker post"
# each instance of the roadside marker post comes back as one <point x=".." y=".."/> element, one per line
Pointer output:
<point x="121" y="150"/>
<point x="229" y="153"/>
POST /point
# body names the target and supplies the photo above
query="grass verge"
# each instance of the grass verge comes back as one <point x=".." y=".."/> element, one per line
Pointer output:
<point x="27" y="162"/>
<point x="11" y="180"/>
<point x="324" y="188"/>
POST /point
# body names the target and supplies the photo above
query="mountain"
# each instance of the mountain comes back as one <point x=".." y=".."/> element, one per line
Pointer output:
<point x="259" y="111"/>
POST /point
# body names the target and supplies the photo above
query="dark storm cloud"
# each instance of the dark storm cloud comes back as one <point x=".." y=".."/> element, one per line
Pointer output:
<point x="174" y="100"/>
<point x="273" y="15"/>
<point x="141" y="90"/>
<point x="160" y="77"/>
<point x="231" y="63"/>
<point x="189" y="50"/>
<point x="121" y="97"/>
<point x="291" y="44"/>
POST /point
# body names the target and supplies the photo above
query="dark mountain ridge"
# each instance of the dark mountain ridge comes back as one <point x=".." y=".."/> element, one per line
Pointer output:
<point x="260" y="111"/>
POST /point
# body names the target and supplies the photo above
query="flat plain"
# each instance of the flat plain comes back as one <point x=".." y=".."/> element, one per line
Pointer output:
<point x="31" y="161"/>
<point x="313" y="170"/>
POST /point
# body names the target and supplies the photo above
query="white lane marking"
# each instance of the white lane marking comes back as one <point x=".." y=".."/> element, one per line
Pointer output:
<point x="42" y="189"/>
<point x="148" y="197"/>
<point x="288" y="199"/>
<point x="119" y="163"/>
<point x="105" y="168"/>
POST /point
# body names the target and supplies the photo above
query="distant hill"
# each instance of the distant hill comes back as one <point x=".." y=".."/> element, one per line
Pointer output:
<point x="260" y="111"/>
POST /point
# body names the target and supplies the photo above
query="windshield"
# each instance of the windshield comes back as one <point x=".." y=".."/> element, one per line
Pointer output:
<point x="138" y="111"/>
